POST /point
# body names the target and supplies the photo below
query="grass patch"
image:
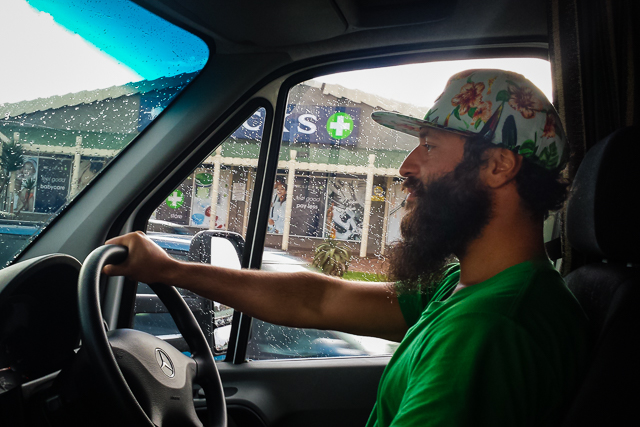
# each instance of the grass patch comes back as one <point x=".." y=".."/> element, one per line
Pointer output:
<point x="364" y="277"/>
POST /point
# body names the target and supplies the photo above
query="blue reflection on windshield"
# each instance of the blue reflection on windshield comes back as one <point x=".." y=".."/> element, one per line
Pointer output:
<point x="149" y="45"/>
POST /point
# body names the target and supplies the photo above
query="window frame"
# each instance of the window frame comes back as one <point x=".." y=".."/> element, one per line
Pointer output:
<point x="241" y="324"/>
<point x="285" y="79"/>
<point x="176" y="176"/>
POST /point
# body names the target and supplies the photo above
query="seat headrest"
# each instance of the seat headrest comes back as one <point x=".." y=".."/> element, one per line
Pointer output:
<point x="603" y="217"/>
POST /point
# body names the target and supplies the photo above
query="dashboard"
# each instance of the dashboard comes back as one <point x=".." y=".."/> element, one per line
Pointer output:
<point x="39" y="325"/>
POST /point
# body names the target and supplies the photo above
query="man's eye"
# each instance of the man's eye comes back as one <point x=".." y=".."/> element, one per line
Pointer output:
<point x="428" y="147"/>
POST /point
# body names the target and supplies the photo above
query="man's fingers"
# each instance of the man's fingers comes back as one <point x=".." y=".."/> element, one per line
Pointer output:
<point x="129" y="241"/>
<point x="118" y="240"/>
<point x="115" y="269"/>
<point x="114" y="241"/>
<point x="146" y="261"/>
<point x="126" y="239"/>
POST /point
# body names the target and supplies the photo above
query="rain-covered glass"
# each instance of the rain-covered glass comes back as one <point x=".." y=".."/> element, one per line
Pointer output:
<point x="335" y="192"/>
<point x="337" y="187"/>
<point x="214" y="198"/>
<point x="337" y="200"/>
<point x="80" y="79"/>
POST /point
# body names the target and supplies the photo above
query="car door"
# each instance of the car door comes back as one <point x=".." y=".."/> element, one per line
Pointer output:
<point x="338" y="190"/>
<point x="307" y="357"/>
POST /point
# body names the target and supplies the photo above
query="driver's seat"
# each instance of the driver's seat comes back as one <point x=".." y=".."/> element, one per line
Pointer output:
<point x="603" y="223"/>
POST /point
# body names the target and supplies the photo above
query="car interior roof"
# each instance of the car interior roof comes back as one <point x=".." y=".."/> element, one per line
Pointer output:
<point x="313" y="28"/>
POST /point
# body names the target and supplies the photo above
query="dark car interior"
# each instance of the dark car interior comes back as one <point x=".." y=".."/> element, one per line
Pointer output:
<point x="599" y="224"/>
<point x="77" y="364"/>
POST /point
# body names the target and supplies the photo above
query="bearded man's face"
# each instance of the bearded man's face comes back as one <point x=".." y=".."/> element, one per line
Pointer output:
<point x="445" y="215"/>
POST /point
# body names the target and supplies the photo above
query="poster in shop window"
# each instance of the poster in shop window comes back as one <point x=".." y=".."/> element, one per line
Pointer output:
<point x="87" y="171"/>
<point x="26" y="185"/>
<point x="176" y="206"/>
<point x="308" y="206"/>
<point x="52" y="184"/>
<point x="278" y="205"/>
<point x="201" y="205"/>
<point x="345" y="209"/>
<point x="396" y="212"/>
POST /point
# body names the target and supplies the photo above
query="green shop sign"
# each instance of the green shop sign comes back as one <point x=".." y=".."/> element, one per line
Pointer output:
<point x="340" y="125"/>
<point x="175" y="200"/>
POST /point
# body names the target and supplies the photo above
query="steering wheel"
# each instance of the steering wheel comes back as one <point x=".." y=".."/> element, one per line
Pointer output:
<point x="150" y="380"/>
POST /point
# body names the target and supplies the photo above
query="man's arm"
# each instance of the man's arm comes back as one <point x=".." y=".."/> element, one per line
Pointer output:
<point x="302" y="299"/>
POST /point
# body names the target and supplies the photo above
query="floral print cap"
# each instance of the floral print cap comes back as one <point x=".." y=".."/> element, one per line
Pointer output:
<point x="501" y="106"/>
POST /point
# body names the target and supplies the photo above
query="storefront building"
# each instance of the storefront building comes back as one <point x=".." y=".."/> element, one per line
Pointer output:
<point x="337" y="173"/>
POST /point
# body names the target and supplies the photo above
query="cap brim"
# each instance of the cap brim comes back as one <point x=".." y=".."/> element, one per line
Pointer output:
<point x="410" y="125"/>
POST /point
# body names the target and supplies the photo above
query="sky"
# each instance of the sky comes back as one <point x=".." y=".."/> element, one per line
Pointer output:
<point x="42" y="58"/>
<point x="421" y="84"/>
<point x="44" y="55"/>
<point x="52" y="60"/>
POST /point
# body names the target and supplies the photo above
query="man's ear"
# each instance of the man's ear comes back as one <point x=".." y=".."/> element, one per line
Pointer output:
<point x="502" y="167"/>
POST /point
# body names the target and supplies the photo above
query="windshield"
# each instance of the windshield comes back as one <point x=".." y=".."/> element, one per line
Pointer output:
<point x="80" y="80"/>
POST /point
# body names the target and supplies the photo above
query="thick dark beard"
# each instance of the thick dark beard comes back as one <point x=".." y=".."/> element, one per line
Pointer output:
<point x="446" y="215"/>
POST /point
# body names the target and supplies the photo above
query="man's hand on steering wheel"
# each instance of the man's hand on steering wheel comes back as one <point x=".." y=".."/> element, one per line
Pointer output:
<point x="146" y="262"/>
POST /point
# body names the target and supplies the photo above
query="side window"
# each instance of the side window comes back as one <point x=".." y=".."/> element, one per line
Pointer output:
<point x="338" y="190"/>
<point x="213" y="200"/>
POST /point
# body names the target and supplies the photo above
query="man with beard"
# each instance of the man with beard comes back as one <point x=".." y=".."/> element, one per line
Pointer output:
<point x="490" y="333"/>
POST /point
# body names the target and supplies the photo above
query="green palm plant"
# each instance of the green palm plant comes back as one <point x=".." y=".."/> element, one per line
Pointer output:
<point x="3" y="178"/>
<point x="28" y="186"/>
<point x="331" y="257"/>
<point x="12" y="159"/>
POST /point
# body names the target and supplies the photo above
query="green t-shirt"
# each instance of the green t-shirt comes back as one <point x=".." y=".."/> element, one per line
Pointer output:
<point x="505" y="352"/>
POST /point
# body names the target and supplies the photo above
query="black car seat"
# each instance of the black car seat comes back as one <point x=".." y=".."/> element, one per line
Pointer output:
<point x="603" y="223"/>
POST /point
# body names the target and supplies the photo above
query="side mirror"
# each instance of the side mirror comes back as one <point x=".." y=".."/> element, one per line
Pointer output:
<point x="222" y="249"/>
<point x="217" y="247"/>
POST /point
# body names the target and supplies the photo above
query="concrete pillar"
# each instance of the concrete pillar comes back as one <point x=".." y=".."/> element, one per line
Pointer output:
<point x="367" y="207"/>
<point x="229" y="194"/>
<point x="247" y="203"/>
<point x="290" y="183"/>
<point x="385" y="218"/>
<point x="3" y="140"/>
<point x="215" y="185"/>
<point x="12" y="178"/>
<point x="75" y="176"/>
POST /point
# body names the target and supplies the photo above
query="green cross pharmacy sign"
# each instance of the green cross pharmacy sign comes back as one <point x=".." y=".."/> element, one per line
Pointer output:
<point x="175" y="200"/>
<point x="340" y="125"/>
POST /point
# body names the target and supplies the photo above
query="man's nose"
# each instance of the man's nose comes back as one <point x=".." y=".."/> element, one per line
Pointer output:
<point x="410" y="166"/>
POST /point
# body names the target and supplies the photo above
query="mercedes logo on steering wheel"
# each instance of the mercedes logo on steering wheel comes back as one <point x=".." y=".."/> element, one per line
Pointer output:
<point x="165" y="363"/>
